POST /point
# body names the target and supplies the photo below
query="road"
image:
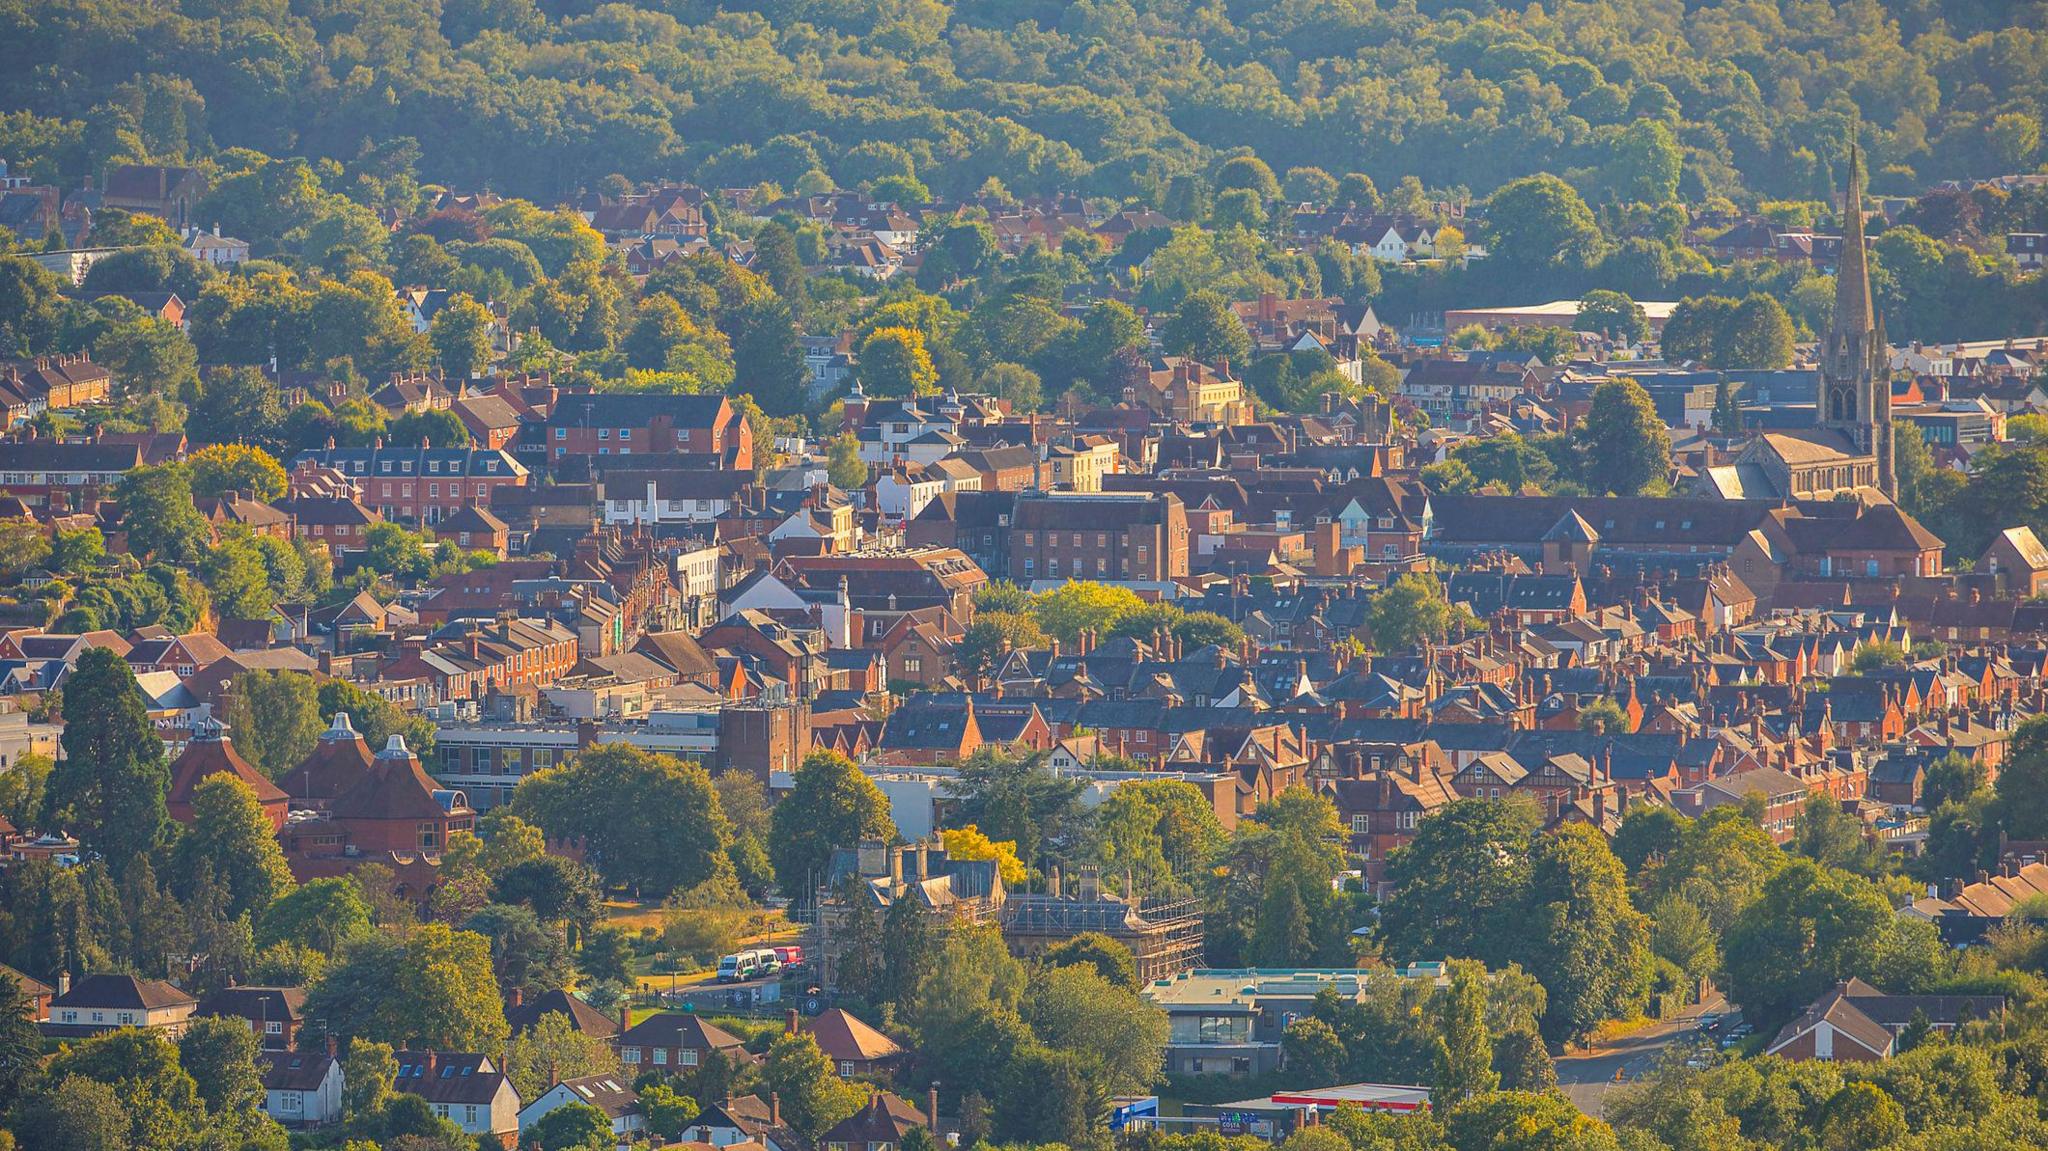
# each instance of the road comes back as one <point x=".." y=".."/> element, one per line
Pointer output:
<point x="1588" y="1076"/>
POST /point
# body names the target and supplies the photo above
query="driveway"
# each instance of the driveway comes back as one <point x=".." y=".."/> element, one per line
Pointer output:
<point x="1587" y="1076"/>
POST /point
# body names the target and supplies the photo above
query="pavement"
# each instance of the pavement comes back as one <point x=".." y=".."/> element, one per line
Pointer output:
<point x="1587" y="1076"/>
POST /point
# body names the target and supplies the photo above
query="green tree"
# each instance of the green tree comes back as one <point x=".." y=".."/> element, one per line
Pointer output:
<point x="571" y="1127"/>
<point x="1315" y="1053"/>
<point x="1018" y="798"/>
<point x="23" y="545"/>
<point x="525" y="953"/>
<point x="21" y="1042"/>
<point x="2014" y="139"/>
<point x="109" y="787"/>
<point x="141" y="1066"/>
<point x="275" y="718"/>
<point x="831" y="803"/>
<point x="843" y="464"/>
<point x="1538" y="224"/>
<point x="222" y="468"/>
<point x="1645" y="163"/>
<point x="992" y="636"/>
<point x="220" y="1055"/>
<point x="1408" y="612"/>
<point x="894" y="362"/>
<point x="432" y="987"/>
<point x="1109" y="958"/>
<point x="1861" y="1117"/>
<point x="1808" y="928"/>
<point x="22" y="788"/>
<point x="1251" y="174"/>
<point x="1356" y="190"/>
<point x="1628" y="448"/>
<point x="1523" y="1121"/>
<point x="231" y="840"/>
<point x="1310" y="185"/>
<point x="1759" y="334"/>
<point x="1204" y="328"/>
<point x="1080" y="605"/>
<point x="76" y="1114"/>
<point x="1119" y="1037"/>
<point x="1919" y="482"/>
<point x="368" y="1070"/>
<point x="768" y="361"/>
<point x="555" y="1047"/>
<point x="157" y="511"/>
<point x="323" y="914"/>
<point x="1464" y="1050"/>
<point x="461" y="335"/>
<point x="668" y="1113"/>
<point x="1613" y="315"/>
<point x="812" y="1094"/>
<point x="650" y="822"/>
<point x="1458" y="888"/>
<point x="1591" y="949"/>
<point x="2021" y="804"/>
<point x="236" y="404"/>
<point x="1523" y="1062"/>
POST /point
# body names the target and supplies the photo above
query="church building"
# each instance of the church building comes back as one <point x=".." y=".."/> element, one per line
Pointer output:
<point x="1849" y="451"/>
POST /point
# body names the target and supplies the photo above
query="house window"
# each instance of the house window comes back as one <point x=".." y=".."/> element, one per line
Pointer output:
<point x="912" y="665"/>
<point x="630" y="1054"/>
<point x="433" y="491"/>
<point x="845" y="1069"/>
<point x="660" y="1057"/>
<point x="687" y="1057"/>
<point x="272" y="1027"/>
<point x="1361" y="824"/>
<point x="604" y="433"/>
<point x="561" y="433"/>
<point x="469" y="1113"/>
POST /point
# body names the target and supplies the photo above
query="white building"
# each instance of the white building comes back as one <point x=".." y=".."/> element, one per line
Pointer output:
<point x="301" y="1089"/>
<point x="611" y="1094"/>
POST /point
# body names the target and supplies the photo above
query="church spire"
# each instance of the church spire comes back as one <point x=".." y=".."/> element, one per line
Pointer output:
<point x="1855" y="366"/>
<point x="1853" y="311"/>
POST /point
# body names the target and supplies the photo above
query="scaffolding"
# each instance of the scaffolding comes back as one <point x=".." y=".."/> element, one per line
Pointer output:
<point x="1164" y="936"/>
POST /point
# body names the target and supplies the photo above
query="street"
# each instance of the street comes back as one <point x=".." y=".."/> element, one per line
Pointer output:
<point x="1587" y="1077"/>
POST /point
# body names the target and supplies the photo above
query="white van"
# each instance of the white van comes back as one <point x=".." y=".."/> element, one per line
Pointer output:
<point x="738" y="967"/>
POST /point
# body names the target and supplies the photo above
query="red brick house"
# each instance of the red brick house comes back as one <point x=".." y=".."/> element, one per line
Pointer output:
<point x="209" y="753"/>
<point x="639" y="424"/>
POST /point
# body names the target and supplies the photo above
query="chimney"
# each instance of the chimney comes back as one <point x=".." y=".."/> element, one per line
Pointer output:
<point x="789" y="1022"/>
<point x="63" y="983"/>
<point x="333" y="1046"/>
<point x="774" y="1109"/>
<point x="554" y="1074"/>
<point x="931" y="1108"/>
<point x="518" y="996"/>
<point x="625" y="1018"/>
<point x="433" y="1059"/>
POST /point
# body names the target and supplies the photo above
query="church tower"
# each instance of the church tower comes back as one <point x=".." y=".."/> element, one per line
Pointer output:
<point x="1855" y="368"/>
